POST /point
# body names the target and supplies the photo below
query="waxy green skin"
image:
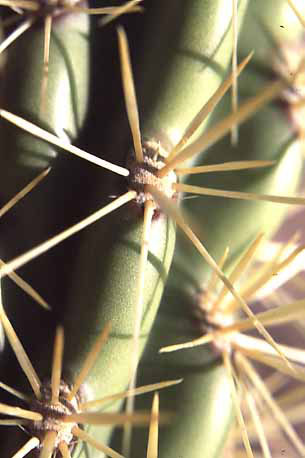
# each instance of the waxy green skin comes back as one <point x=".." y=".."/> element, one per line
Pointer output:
<point x="196" y="42"/>
<point x="223" y="222"/>
<point x="49" y="207"/>
<point x="268" y="135"/>
<point x="66" y="98"/>
<point x="46" y="210"/>
<point x="226" y="222"/>
<point x="206" y="388"/>
<point x="210" y="42"/>
<point x="266" y="26"/>
<point x="106" y="292"/>
<point x="105" y="278"/>
<point x="108" y="261"/>
<point x="204" y="392"/>
<point x="107" y="284"/>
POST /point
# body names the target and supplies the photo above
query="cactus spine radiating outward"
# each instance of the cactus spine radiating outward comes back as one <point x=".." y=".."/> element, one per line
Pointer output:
<point x="269" y="135"/>
<point x="141" y="160"/>
<point x="24" y="156"/>
<point x="223" y="223"/>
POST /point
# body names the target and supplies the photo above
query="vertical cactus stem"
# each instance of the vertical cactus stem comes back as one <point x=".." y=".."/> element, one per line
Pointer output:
<point x="152" y="447"/>
<point x="56" y="141"/>
<point x="149" y="208"/>
<point x="49" y="10"/>
<point x="20" y="354"/>
<point x="57" y="364"/>
<point x="140" y="176"/>
<point x="130" y="95"/>
<point x="143" y="169"/>
<point x="91" y="358"/>
<point x="53" y="241"/>
<point x="48" y="25"/>
<point x="215" y="133"/>
<point x="234" y="130"/>
<point x="207" y="109"/>
<point x="233" y="377"/>
<point x="27" y="448"/>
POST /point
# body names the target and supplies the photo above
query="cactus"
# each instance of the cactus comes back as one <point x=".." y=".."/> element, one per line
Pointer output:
<point x="73" y="98"/>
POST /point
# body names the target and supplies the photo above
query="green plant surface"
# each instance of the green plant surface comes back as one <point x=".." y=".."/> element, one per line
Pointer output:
<point x="204" y="389"/>
<point x="196" y="42"/>
<point x="269" y="135"/>
<point x="194" y="407"/>
<point x="112" y="297"/>
<point x="266" y="26"/>
<point x="121" y="259"/>
<point x="104" y="271"/>
<point x="116" y="274"/>
<point x="222" y="223"/>
<point x="66" y="97"/>
<point x="24" y="156"/>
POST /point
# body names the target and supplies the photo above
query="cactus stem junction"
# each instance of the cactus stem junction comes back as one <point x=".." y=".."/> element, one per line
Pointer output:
<point x="216" y="317"/>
